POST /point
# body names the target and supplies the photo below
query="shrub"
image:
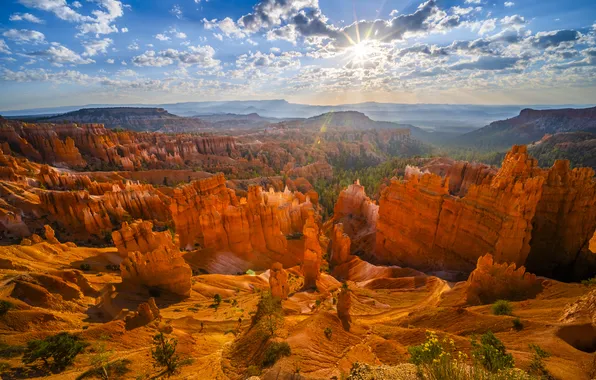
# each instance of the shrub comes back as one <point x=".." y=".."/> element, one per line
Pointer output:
<point x="328" y="332"/>
<point x="491" y="353"/>
<point x="85" y="267"/>
<point x="537" y="365"/>
<point x="63" y="348"/>
<point x="4" y="366"/>
<point x="7" y="351"/>
<point x="590" y="281"/>
<point x="502" y="307"/>
<point x="430" y="350"/>
<point x="274" y="352"/>
<point x="164" y="353"/>
<point x="253" y="370"/>
<point x="216" y="300"/>
<point x="5" y="306"/>
<point x="518" y="324"/>
<point x="269" y="315"/>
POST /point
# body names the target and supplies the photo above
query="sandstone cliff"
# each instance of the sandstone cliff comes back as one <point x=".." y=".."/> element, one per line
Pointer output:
<point x="523" y="215"/>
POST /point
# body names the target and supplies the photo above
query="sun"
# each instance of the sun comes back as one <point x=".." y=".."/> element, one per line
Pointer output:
<point x="361" y="52"/>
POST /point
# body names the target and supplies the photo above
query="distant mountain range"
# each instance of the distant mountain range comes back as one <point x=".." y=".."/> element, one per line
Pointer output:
<point x="134" y="118"/>
<point x="530" y="126"/>
<point x="432" y="117"/>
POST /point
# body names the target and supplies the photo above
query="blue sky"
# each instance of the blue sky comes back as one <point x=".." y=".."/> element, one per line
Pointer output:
<point x="63" y="52"/>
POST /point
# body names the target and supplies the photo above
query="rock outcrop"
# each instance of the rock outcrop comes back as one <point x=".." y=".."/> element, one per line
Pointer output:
<point x="152" y="260"/>
<point x="340" y="245"/>
<point x="163" y="268"/>
<point x="50" y="235"/>
<point x="146" y="313"/>
<point x="358" y="214"/>
<point x="311" y="262"/>
<point x="564" y="222"/>
<point x="422" y="225"/>
<point x="344" y="304"/>
<point x="278" y="281"/>
<point x="208" y="214"/>
<point x="139" y="236"/>
<point x="491" y="281"/>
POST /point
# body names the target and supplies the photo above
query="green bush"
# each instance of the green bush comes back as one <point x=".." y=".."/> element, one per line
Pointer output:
<point x="328" y="332"/>
<point x="430" y="350"/>
<point x="491" y="353"/>
<point x="85" y="267"/>
<point x="8" y="351"/>
<point x="63" y="348"/>
<point x="216" y="300"/>
<point x="253" y="370"/>
<point x="518" y="324"/>
<point x="5" y="306"/>
<point x="537" y="365"/>
<point x="502" y="307"/>
<point x="164" y="353"/>
<point x="274" y="352"/>
<point x="590" y="282"/>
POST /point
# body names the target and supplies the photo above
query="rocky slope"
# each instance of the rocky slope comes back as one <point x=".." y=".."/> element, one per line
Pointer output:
<point x="577" y="147"/>
<point x="531" y="125"/>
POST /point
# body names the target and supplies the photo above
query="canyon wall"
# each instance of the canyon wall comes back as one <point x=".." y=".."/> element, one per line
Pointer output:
<point x="522" y="214"/>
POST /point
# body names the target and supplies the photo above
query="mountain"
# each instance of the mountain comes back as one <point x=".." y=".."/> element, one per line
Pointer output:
<point x="455" y="119"/>
<point x="355" y="120"/>
<point x="531" y="125"/>
<point x="138" y="119"/>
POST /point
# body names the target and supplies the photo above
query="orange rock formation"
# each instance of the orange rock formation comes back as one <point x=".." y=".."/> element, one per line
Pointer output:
<point x="340" y="245"/>
<point x="278" y="281"/>
<point x="491" y="281"/>
<point x="139" y="236"/>
<point x="422" y="225"/>
<point x="152" y="259"/>
<point x="344" y="303"/>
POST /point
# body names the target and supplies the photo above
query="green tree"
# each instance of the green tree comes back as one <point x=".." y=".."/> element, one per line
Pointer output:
<point x="269" y="314"/>
<point x="164" y="353"/>
<point x="63" y="348"/>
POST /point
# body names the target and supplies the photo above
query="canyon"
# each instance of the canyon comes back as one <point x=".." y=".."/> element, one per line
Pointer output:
<point x="220" y="242"/>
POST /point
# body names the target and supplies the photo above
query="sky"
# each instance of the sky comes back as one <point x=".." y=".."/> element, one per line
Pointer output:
<point x="63" y="52"/>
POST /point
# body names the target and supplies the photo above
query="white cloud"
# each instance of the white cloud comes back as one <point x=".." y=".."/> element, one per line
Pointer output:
<point x="124" y="30"/>
<point x="487" y="26"/>
<point x="509" y="4"/>
<point x="123" y="63"/>
<point x="394" y="13"/>
<point x="25" y="17"/>
<point x="473" y="1"/>
<point x="25" y="36"/>
<point x="133" y="46"/>
<point x="95" y="47"/>
<point x="162" y="37"/>
<point x="227" y="26"/>
<point x="60" y="55"/>
<point x="177" y="11"/>
<point x="195" y="55"/>
<point x="110" y="61"/>
<point x="102" y="24"/>
<point x="76" y="4"/>
<point x="218" y="36"/>
<point x="58" y="8"/>
<point x="4" y="47"/>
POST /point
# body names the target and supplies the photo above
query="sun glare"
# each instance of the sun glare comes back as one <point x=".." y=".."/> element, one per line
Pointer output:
<point x="361" y="52"/>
